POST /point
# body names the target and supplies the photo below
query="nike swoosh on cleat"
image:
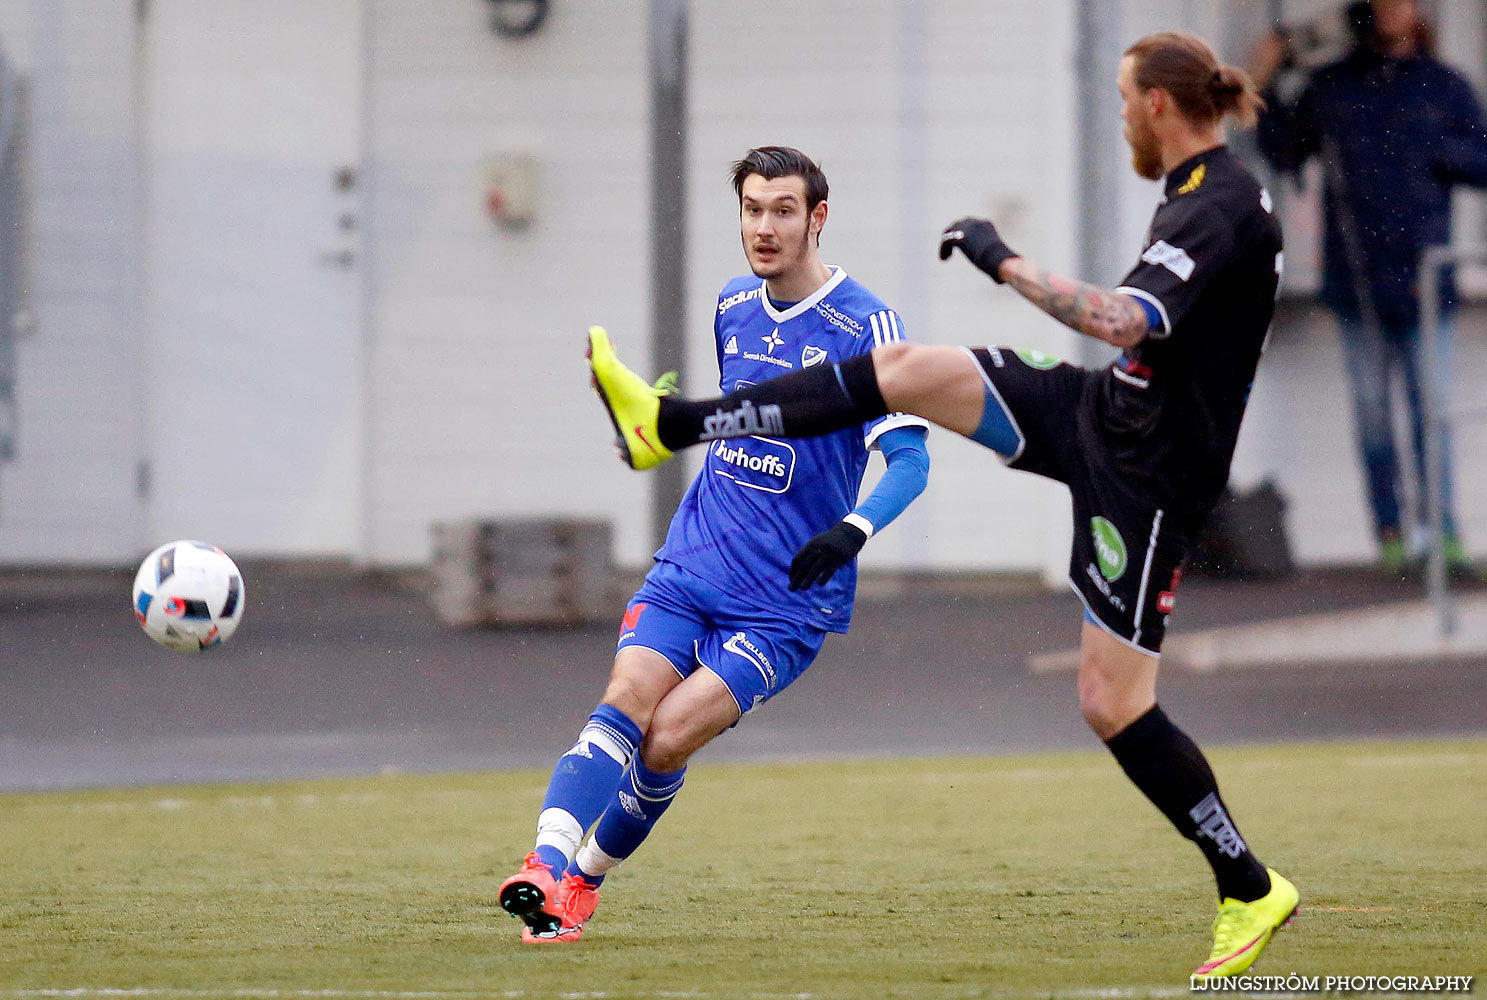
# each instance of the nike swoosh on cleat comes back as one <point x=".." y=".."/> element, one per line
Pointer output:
<point x="641" y="434"/>
<point x="1229" y="957"/>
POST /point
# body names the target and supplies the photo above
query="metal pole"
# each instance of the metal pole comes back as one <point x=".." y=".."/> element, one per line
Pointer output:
<point x="1439" y="594"/>
<point x="668" y="91"/>
<point x="1097" y="58"/>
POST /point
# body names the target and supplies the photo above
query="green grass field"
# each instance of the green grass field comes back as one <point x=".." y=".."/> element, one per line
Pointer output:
<point x="1022" y="876"/>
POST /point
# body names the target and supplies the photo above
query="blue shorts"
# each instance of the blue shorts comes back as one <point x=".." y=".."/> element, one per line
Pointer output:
<point x="695" y="624"/>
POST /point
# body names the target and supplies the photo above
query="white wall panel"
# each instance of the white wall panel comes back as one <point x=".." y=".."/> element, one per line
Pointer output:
<point x="480" y="398"/>
<point x="69" y="496"/>
<point x="477" y="403"/>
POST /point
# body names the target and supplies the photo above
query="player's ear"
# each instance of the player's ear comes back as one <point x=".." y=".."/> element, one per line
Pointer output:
<point x="818" y="219"/>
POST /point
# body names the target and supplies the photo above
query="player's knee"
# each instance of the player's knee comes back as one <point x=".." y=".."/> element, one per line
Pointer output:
<point x="679" y="728"/>
<point x="1107" y="707"/>
<point x="632" y="696"/>
<point x="667" y="747"/>
<point x="1092" y="703"/>
<point x="638" y="682"/>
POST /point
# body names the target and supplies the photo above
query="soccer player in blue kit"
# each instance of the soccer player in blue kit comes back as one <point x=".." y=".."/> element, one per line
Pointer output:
<point x="758" y="565"/>
<point x="1143" y="444"/>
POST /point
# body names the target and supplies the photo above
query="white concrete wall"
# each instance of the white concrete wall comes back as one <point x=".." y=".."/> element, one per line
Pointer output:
<point x="477" y="399"/>
<point x="70" y="495"/>
<point x="480" y="401"/>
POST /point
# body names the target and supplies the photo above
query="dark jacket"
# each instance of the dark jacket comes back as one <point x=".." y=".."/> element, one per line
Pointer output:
<point x="1403" y="132"/>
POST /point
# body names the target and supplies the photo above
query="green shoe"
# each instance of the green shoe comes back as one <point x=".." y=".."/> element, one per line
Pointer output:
<point x="1458" y="563"/>
<point x="1242" y="930"/>
<point x="1394" y="558"/>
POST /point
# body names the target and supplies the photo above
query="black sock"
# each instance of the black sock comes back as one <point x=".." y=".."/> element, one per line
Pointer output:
<point x="1170" y="769"/>
<point x="807" y="403"/>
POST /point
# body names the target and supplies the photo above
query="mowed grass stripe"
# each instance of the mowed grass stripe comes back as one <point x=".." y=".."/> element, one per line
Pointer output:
<point x="941" y="878"/>
<point x="1107" y="993"/>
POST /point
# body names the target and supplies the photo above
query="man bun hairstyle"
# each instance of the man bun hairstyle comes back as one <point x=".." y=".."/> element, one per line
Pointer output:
<point x="774" y="162"/>
<point x="1204" y="89"/>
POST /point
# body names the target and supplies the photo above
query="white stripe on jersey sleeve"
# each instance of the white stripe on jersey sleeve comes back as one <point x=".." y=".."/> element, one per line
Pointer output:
<point x="885" y="327"/>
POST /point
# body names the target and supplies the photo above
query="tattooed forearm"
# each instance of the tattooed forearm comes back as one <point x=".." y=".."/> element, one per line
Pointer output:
<point x="1097" y="312"/>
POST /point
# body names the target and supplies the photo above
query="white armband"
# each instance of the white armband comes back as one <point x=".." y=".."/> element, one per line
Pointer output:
<point x="859" y="522"/>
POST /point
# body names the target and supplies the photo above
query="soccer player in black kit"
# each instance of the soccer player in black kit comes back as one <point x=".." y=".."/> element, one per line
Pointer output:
<point x="1143" y="444"/>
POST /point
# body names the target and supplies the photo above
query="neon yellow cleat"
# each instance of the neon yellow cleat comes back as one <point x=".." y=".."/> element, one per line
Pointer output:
<point x="1241" y="930"/>
<point x="633" y="404"/>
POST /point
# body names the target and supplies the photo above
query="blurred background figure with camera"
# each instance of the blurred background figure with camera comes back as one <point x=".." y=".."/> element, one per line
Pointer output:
<point x="1395" y="130"/>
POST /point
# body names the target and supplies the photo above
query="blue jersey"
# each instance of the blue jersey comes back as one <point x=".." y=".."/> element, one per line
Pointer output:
<point x="757" y="500"/>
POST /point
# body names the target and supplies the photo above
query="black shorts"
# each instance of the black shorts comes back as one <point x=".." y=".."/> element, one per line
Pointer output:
<point x="1128" y="552"/>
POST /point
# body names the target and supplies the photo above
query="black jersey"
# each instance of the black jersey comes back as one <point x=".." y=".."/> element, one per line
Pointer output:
<point x="1165" y="415"/>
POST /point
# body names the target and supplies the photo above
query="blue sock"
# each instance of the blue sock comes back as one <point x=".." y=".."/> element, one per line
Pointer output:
<point x="636" y="805"/>
<point x="583" y="783"/>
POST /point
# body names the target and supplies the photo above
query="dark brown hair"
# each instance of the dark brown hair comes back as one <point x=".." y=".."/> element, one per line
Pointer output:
<point x="774" y="162"/>
<point x="1204" y="89"/>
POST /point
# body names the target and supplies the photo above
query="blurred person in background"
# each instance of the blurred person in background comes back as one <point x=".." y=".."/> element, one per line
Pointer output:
<point x="1395" y="131"/>
<point x="759" y="563"/>
<point x="1143" y="444"/>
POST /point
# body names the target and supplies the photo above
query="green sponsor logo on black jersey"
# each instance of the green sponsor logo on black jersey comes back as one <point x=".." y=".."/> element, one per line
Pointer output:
<point x="1110" y="548"/>
<point x="1037" y="359"/>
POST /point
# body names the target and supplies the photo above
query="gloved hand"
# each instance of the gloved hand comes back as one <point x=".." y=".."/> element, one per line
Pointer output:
<point x="980" y="242"/>
<point x="820" y="558"/>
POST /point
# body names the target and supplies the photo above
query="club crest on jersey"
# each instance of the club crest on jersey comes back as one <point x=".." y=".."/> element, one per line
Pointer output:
<point x="731" y="347"/>
<point x="757" y="463"/>
<point x="811" y="355"/>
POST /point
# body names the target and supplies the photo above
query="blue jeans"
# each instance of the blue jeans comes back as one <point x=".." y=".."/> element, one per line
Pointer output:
<point x="1375" y="358"/>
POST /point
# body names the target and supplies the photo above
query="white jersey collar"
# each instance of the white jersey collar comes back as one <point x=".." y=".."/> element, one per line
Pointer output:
<point x="809" y="302"/>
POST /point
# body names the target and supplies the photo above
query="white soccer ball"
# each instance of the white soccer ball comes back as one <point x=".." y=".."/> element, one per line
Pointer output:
<point x="188" y="596"/>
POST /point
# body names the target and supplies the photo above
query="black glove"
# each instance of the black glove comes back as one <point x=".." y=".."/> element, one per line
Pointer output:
<point x="980" y="242"/>
<point x="820" y="558"/>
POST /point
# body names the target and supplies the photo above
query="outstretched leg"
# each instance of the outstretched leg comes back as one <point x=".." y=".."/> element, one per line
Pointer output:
<point x="941" y="384"/>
